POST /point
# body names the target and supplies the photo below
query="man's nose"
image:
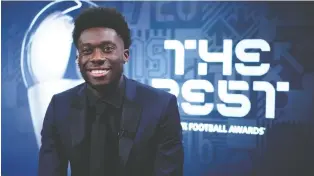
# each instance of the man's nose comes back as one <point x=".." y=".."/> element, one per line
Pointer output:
<point x="98" y="57"/>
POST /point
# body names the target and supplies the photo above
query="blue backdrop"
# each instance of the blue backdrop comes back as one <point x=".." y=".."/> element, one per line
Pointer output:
<point x="38" y="60"/>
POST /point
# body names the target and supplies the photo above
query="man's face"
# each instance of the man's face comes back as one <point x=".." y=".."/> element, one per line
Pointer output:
<point x="101" y="56"/>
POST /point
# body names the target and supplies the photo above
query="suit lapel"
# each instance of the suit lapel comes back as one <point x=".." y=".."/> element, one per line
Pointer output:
<point x="131" y="115"/>
<point x="77" y="117"/>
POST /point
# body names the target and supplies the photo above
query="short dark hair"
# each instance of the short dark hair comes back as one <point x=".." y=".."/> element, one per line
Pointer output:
<point x="102" y="17"/>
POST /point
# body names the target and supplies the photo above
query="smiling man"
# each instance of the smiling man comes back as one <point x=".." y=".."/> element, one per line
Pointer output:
<point x="109" y="125"/>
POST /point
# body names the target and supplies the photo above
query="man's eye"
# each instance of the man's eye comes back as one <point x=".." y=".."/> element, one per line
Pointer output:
<point x="107" y="49"/>
<point x="86" y="51"/>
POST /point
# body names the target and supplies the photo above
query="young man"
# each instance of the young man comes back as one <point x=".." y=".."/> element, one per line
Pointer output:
<point x="110" y="125"/>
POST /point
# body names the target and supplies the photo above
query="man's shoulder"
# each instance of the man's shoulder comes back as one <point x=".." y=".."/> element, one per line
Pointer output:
<point x="70" y="92"/>
<point x="150" y="92"/>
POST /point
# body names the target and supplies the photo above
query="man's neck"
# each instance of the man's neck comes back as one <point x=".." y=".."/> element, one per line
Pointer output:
<point x="102" y="91"/>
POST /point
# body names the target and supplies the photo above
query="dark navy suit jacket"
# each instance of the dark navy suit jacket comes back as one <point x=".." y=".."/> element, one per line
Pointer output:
<point x="151" y="143"/>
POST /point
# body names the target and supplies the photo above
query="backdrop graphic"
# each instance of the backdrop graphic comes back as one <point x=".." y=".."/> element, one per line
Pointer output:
<point x="237" y="119"/>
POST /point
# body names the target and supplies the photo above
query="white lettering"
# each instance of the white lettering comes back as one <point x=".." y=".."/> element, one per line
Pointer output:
<point x="245" y="104"/>
<point x="225" y="57"/>
<point x="178" y="48"/>
<point x="220" y="128"/>
<point x="231" y="103"/>
<point x="251" y="57"/>
<point x="196" y="97"/>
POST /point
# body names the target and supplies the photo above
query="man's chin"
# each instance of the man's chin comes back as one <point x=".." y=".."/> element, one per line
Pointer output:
<point x="99" y="84"/>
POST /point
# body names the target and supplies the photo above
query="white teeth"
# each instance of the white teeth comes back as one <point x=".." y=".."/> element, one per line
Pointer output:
<point x="99" y="71"/>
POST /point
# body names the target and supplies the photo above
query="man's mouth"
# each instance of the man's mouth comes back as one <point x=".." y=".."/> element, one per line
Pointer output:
<point x="99" y="72"/>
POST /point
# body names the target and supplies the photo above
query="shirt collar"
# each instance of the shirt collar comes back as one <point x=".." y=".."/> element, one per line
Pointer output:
<point x="114" y="98"/>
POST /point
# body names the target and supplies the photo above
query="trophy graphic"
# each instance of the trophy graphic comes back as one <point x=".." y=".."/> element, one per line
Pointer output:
<point x="46" y="57"/>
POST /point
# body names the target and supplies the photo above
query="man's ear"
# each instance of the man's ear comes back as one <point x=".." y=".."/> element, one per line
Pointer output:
<point x="77" y="57"/>
<point x="126" y="55"/>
